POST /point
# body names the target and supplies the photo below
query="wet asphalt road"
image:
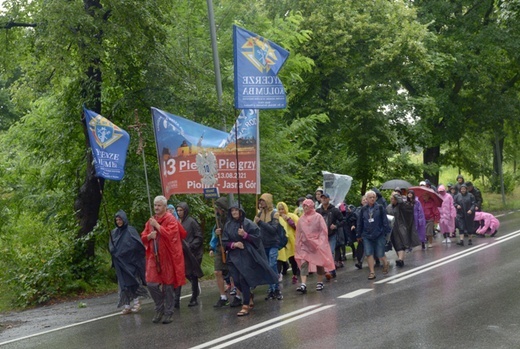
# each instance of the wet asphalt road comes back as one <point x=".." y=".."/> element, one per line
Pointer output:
<point x="446" y="297"/>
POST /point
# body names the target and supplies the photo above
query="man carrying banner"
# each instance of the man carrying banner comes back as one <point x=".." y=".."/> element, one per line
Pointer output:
<point x="164" y="259"/>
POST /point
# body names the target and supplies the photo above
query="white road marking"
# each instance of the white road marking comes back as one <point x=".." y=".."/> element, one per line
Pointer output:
<point x="67" y="326"/>
<point x="262" y="324"/>
<point x="475" y="250"/>
<point x="269" y="328"/>
<point x="356" y="293"/>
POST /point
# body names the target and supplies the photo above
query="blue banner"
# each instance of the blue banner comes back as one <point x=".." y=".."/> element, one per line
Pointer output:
<point x="193" y="157"/>
<point x="109" y="144"/>
<point x="257" y="63"/>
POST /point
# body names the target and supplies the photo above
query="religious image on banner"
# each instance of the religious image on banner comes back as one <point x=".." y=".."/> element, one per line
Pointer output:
<point x="257" y="63"/>
<point x="193" y="157"/>
<point x="109" y="144"/>
<point x="337" y="186"/>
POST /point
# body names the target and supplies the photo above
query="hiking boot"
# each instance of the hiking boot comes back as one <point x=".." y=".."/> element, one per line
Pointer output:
<point x="359" y="265"/>
<point x="158" y="316"/>
<point x="333" y="273"/>
<point x="237" y="302"/>
<point x="278" y="295"/>
<point x="221" y="303"/>
<point x="319" y="286"/>
<point x="470" y="242"/>
<point x="168" y="319"/>
<point x="460" y="243"/>
<point x="302" y="289"/>
<point x="270" y="295"/>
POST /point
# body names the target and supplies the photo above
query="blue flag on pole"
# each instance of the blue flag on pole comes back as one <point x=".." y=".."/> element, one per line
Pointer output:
<point x="109" y="144"/>
<point x="257" y="63"/>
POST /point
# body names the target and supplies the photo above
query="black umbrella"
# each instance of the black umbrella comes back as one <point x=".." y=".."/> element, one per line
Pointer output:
<point x="394" y="183"/>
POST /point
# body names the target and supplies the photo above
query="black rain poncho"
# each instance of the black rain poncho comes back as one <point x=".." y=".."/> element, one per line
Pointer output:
<point x="128" y="259"/>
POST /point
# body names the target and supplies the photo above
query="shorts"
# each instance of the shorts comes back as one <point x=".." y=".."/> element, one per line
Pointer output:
<point x="375" y="247"/>
<point x="304" y="269"/>
<point x="219" y="265"/>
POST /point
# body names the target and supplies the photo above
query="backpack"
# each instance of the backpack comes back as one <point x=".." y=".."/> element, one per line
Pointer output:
<point x="282" y="234"/>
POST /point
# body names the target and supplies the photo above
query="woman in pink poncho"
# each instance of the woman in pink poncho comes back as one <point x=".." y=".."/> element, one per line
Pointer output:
<point x="312" y="250"/>
<point x="448" y="214"/>
<point x="491" y="223"/>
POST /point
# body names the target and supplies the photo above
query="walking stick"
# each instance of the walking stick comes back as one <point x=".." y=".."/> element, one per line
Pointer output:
<point x="140" y="149"/>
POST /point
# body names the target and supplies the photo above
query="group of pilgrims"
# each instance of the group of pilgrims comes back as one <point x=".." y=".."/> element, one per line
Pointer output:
<point x="312" y="239"/>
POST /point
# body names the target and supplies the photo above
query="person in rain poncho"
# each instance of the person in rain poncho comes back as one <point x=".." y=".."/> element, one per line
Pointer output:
<point x="247" y="262"/>
<point x="162" y="237"/>
<point x="312" y="250"/>
<point x="448" y="214"/>
<point x="490" y="223"/>
<point x="128" y="259"/>
<point x="465" y="204"/>
<point x="404" y="234"/>
<point x="288" y="221"/>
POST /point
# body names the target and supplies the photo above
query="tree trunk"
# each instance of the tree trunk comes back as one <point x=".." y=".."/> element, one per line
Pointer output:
<point x="88" y="201"/>
<point x="431" y="157"/>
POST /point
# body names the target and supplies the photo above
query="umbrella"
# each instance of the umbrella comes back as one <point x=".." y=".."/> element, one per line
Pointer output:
<point x="394" y="183"/>
<point x="420" y="191"/>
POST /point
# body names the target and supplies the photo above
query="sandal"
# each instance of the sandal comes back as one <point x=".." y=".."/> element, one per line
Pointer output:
<point x="244" y="311"/>
<point x="251" y="301"/>
<point x="386" y="266"/>
<point x="371" y="276"/>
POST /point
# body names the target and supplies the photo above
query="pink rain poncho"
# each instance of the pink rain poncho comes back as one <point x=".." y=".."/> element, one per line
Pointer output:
<point x="491" y="223"/>
<point x="447" y="211"/>
<point x="312" y="242"/>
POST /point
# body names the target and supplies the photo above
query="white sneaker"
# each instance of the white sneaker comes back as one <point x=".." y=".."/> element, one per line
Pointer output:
<point x="448" y="240"/>
<point x="280" y="277"/>
<point x="430" y="245"/>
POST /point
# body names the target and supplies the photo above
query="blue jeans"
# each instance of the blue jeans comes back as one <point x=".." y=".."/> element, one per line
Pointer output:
<point x="272" y="256"/>
<point x="332" y="242"/>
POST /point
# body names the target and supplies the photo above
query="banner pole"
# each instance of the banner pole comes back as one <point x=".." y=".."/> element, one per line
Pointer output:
<point x="140" y="149"/>
<point x="236" y="155"/>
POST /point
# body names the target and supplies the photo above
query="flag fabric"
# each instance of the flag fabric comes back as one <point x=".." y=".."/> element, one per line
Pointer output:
<point x="193" y="157"/>
<point x="257" y="63"/>
<point x="109" y="144"/>
<point x="336" y="185"/>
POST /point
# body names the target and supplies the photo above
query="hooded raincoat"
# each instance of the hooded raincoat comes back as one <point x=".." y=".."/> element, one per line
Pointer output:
<point x="268" y="223"/>
<point x="464" y="220"/>
<point x="404" y="234"/>
<point x="128" y="259"/>
<point x="447" y="211"/>
<point x="290" y="229"/>
<point x="249" y="263"/>
<point x="192" y="247"/>
<point x="169" y="244"/>
<point x="312" y="242"/>
<point x="490" y="223"/>
<point x="418" y="216"/>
